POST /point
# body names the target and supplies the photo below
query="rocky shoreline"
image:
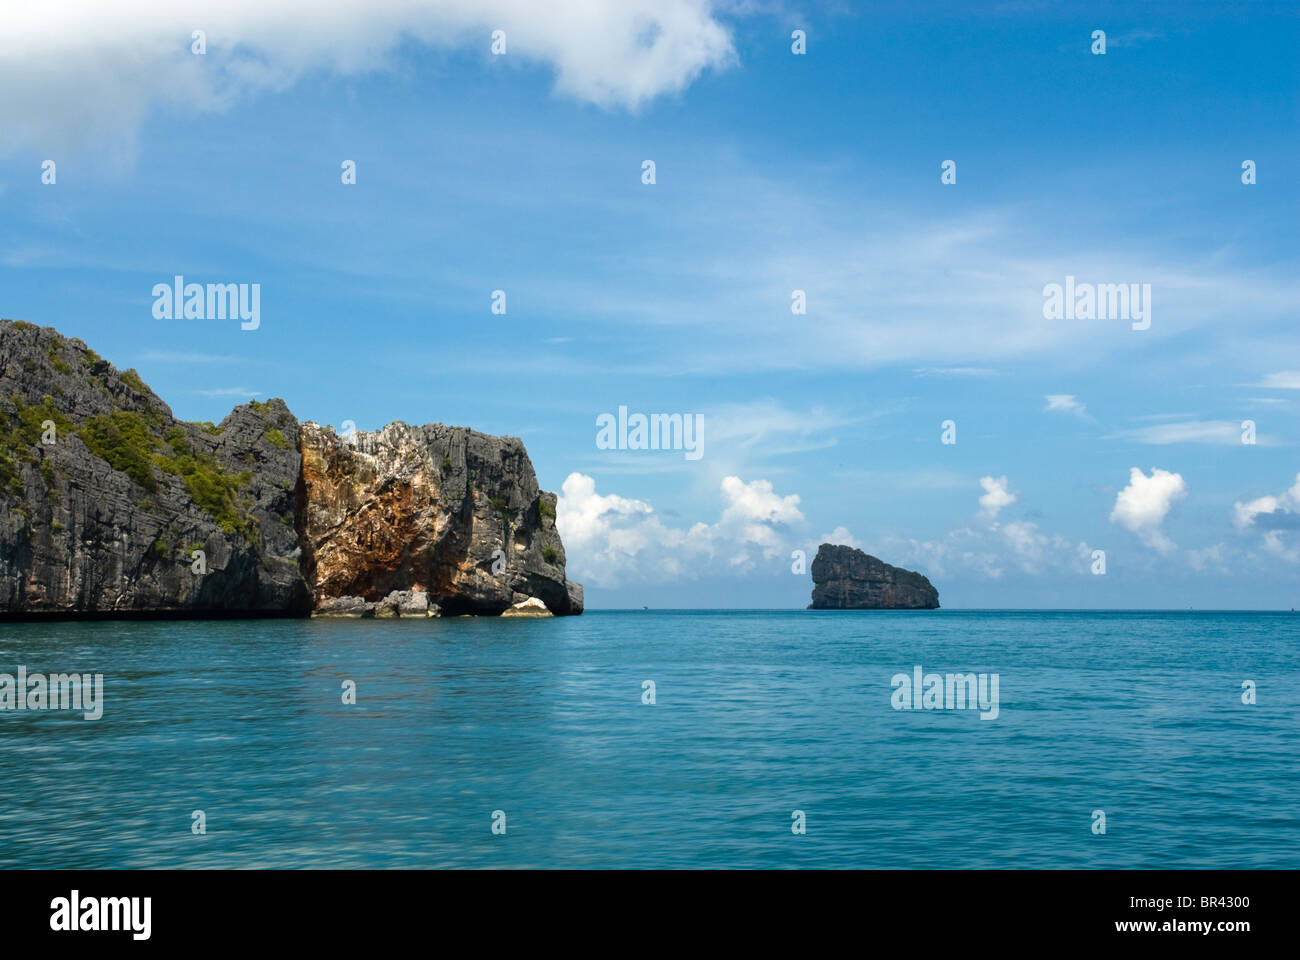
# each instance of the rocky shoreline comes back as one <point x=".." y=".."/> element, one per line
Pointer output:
<point x="112" y="508"/>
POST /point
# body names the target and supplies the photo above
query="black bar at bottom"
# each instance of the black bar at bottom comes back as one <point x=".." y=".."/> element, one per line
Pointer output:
<point x="948" y="909"/>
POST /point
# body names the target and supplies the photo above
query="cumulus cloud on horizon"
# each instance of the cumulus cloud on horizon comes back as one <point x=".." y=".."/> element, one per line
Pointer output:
<point x="94" y="69"/>
<point x="989" y="547"/>
<point x="611" y="540"/>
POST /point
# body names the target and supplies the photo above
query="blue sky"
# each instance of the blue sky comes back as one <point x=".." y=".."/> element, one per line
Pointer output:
<point x="774" y="173"/>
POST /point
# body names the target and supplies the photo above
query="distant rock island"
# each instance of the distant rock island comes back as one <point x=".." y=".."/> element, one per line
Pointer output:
<point x="848" y="579"/>
<point x="109" y="506"/>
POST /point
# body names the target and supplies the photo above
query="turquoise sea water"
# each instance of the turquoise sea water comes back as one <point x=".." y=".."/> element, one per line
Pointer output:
<point x="757" y="714"/>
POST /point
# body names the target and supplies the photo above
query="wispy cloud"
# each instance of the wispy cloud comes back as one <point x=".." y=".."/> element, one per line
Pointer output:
<point x="1284" y="380"/>
<point x="1214" y="432"/>
<point x="955" y="372"/>
<point x="168" y="356"/>
<point x="927" y="294"/>
<point x="1065" y="403"/>
<point x="229" y="392"/>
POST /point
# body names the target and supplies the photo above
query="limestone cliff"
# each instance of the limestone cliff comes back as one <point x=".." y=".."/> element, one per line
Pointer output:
<point x="110" y="506"/>
<point x="105" y="496"/>
<point x="848" y="579"/>
<point x="442" y="510"/>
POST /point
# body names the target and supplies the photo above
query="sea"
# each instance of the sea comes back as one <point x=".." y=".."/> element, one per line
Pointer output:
<point x="662" y="739"/>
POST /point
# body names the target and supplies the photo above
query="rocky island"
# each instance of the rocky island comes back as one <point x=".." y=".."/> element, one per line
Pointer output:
<point x="848" y="579"/>
<point x="111" y="507"/>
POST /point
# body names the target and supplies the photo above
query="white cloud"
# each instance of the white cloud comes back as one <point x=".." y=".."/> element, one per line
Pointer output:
<point x="907" y="480"/>
<point x="1285" y="380"/>
<point x="910" y="291"/>
<point x="611" y="540"/>
<point x="1273" y="545"/>
<point x="841" y="537"/>
<point x="1036" y="552"/>
<point x="1207" y="558"/>
<point x="230" y="392"/>
<point x="1142" y="506"/>
<point x="1244" y="514"/>
<point x="756" y="502"/>
<point x="583" y="513"/>
<point x="987" y="551"/>
<point x="955" y="372"/>
<point x="1064" y="403"/>
<point x="1272" y="514"/>
<point x="1226" y="432"/>
<point x="995" y="496"/>
<point x="97" y="67"/>
<point x="750" y="436"/>
<point x="771" y="426"/>
<point x="170" y="356"/>
<point x="961" y="551"/>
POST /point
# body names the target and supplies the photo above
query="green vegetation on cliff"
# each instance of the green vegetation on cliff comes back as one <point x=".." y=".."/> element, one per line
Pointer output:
<point x="126" y="440"/>
<point x="208" y="485"/>
<point x="122" y="440"/>
<point x="20" y="433"/>
<point x="132" y="380"/>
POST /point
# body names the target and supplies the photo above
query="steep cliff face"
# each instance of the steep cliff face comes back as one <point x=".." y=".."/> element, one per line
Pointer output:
<point x="848" y="579"/>
<point x="105" y="496"/>
<point x="447" y="511"/>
